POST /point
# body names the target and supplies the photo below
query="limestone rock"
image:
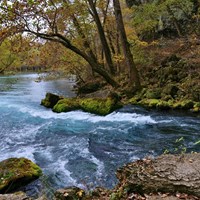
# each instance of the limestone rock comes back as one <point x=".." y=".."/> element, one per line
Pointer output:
<point x="167" y="174"/>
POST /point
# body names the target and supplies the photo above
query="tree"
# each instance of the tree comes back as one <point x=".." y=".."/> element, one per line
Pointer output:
<point x="73" y="24"/>
<point x="10" y="53"/>
<point x="133" y="73"/>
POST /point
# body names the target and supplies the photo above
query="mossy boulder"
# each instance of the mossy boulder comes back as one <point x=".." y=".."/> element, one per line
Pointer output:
<point x="99" y="106"/>
<point x="50" y="100"/>
<point x="16" y="172"/>
<point x="66" y="105"/>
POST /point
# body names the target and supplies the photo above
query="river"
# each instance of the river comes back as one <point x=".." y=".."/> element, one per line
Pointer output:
<point x="79" y="148"/>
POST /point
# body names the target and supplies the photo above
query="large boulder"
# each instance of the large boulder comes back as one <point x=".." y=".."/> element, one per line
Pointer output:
<point x="99" y="106"/>
<point x="166" y="174"/>
<point x="50" y="100"/>
<point x="17" y="172"/>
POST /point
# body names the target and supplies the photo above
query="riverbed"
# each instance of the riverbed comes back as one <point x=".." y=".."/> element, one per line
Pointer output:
<point x="82" y="149"/>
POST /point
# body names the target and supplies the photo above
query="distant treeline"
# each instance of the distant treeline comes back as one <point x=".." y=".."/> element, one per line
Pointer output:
<point x="25" y="68"/>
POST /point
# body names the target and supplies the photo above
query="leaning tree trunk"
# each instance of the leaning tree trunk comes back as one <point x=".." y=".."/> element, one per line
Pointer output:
<point x="133" y="73"/>
<point x="167" y="174"/>
<point x="102" y="36"/>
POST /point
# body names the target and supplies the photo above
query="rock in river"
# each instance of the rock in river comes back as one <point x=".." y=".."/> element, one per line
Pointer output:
<point x="16" y="172"/>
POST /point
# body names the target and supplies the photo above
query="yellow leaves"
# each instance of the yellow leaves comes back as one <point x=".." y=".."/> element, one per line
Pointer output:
<point x="80" y="193"/>
<point x="118" y="58"/>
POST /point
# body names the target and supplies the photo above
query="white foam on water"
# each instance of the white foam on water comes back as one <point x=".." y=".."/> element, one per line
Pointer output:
<point x="100" y="165"/>
<point x="26" y="152"/>
<point x="65" y="175"/>
<point x="123" y="117"/>
<point x="83" y="116"/>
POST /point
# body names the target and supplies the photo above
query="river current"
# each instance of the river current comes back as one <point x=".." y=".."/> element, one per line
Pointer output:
<point x="78" y="148"/>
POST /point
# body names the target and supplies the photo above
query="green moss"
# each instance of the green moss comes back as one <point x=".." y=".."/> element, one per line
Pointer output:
<point x="45" y="103"/>
<point x="115" y="196"/>
<point x="150" y="103"/>
<point x="66" y="105"/>
<point x="185" y="104"/>
<point x="163" y="105"/>
<point x="134" y="100"/>
<point x="15" y="172"/>
<point x="98" y="106"/>
<point x="196" y="107"/>
<point x="93" y="105"/>
<point x="50" y="100"/>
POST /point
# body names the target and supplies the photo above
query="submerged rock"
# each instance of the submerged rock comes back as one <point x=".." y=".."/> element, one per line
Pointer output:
<point x="16" y="172"/>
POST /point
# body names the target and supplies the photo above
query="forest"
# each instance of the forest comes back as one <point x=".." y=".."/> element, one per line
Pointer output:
<point x="122" y="54"/>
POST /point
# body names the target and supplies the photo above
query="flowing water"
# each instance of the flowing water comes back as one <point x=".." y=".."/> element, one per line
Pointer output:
<point x="79" y="148"/>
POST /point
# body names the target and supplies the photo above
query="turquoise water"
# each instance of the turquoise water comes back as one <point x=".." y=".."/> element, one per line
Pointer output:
<point x="79" y="148"/>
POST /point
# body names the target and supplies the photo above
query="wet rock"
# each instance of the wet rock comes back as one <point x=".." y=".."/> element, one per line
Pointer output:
<point x="16" y="172"/>
<point x="50" y="100"/>
<point x="71" y="193"/>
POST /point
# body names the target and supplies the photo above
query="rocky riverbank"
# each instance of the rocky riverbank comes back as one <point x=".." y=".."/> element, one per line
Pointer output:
<point x="168" y="177"/>
<point x="174" y="85"/>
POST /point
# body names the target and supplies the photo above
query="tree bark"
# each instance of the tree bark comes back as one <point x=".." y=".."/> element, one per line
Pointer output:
<point x="167" y="174"/>
<point x="102" y="36"/>
<point x="134" y="79"/>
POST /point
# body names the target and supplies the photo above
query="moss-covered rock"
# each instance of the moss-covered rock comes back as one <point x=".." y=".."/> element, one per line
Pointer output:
<point x="50" y="100"/>
<point x="16" y="172"/>
<point x="66" y="105"/>
<point x="99" y="106"/>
